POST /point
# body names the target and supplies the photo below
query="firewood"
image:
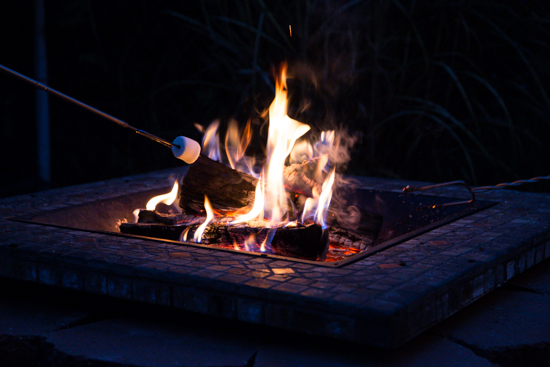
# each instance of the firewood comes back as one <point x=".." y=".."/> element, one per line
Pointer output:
<point x="226" y="188"/>
<point x="153" y="230"/>
<point x="152" y="216"/>
<point x="229" y="189"/>
<point x="305" y="242"/>
<point x="300" y="178"/>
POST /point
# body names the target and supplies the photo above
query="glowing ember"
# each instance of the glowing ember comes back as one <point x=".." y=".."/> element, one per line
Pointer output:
<point x="167" y="199"/>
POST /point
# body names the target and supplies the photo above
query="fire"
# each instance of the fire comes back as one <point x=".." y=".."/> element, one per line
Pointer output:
<point x="317" y="206"/>
<point x="270" y="204"/>
<point x="283" y="133"/>
<point x="209" y="216"/>
<point x="211" y="142"/>
<point x="257" y="208"/>
<point x="286" y="138"/>
<point x="167" y="199"/>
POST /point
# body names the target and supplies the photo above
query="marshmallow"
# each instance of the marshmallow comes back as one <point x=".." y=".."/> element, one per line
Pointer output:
<point x="188" y="150"/>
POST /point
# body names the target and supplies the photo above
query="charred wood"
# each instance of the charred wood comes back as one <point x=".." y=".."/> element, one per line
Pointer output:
<point x="305" y="242"/>
<point x="153" y="230"/>
<point x="229" y="189"/>
<point x="152" y="216"/>
<point x="300" y="178"/>
<point x="226" y="188"/>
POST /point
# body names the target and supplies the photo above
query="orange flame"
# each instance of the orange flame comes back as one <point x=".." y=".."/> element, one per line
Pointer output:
<point x="282" y="134"/>
<point x="324" y="201"/>
<point x="183" y="237"/>
<point x="209" y="216"/>
<point x="249" y="242"/>
<point x="167" y="199"/>
<point x="211" y="141"/>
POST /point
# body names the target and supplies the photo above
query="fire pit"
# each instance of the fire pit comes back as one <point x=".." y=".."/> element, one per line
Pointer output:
<point x="285" y="247"/>
<point x="384" y="299"/>
<point x="405" y="216"/>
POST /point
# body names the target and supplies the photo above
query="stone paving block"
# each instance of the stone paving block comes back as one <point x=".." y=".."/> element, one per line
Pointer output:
<point x="155" y="344"/>
<point x="501" y="319"/>
<point x="22" y="313"/>
<point x="425" y="351"/>
<point x="536" y="279"/>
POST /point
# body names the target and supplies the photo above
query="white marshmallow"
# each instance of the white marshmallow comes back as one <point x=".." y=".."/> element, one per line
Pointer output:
<point x="188" y="151"/>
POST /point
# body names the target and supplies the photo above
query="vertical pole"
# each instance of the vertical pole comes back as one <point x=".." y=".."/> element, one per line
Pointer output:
<point x="41" y="102"/>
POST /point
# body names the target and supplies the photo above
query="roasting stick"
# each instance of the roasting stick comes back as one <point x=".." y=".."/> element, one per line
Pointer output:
<point x="182" y="147"/>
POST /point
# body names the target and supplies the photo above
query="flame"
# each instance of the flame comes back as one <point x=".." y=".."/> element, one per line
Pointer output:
<point x="183" y="237"/>
<point x="266" y="243"/>
<point x="257" y="208"/>
<point x="211" y="141"/>
<point x="285" y="140"/>
<point x="167" y="199"/>
<point x="236" y="144"/>
<point x="136" y="215"/>
<point x="323" y="147"/>
<point x="209" y="216"/>
<point x="282" y="134"/>
<point x="249" y="242"/>
<point x="302" y="151"/>
<point x="324" y="201"/>
<point x="317" y="206"/>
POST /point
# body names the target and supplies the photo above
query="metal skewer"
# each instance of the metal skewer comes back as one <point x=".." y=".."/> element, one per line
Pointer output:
<point x="87" y="107"/>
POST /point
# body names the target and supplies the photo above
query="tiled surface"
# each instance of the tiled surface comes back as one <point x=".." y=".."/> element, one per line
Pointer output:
<point x="373" y="301"/>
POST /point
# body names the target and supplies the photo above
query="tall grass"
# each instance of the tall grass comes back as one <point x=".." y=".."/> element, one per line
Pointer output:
<point x="439" y="90"/>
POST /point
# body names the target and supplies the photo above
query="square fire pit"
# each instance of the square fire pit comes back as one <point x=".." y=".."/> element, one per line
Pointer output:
<point x="384" y="297"/>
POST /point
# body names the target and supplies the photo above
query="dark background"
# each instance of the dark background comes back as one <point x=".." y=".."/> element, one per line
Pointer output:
<point x="435" y="90"/>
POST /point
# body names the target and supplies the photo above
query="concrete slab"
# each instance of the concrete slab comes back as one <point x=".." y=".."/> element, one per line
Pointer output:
<point x="425" y="351"/>
<point x="536" y="279"/>
<point x="502" y="319"/>
<point x="27" y="314"/>
<point x="152" y="344"/>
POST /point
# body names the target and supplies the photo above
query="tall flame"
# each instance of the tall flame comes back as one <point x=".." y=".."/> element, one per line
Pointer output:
<point x="257" y="208"/>
<point x="209" y="216"/>
<point x="324" y="201"/>
<point x="282" y="134"/>
<point x="167" y="199"/>
<point x="211" y="141"/>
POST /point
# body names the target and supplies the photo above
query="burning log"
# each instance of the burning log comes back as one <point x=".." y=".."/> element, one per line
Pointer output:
<point x="226" y="188"/>
<point x="152" y="216"/>
<point x="300" y="177"/>
<point x="230" y="190"/>
<point x="154" y="230"/>
<point x="306" y="242"/>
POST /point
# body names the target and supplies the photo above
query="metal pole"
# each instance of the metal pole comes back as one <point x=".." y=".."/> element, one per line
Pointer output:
<point x="42" y="108"/>
<point x="87" y="107"/>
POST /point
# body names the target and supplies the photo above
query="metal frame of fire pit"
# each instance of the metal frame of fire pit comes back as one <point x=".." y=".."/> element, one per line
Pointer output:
<point x="63" y="218"/>
<point x="384" y="300"/>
